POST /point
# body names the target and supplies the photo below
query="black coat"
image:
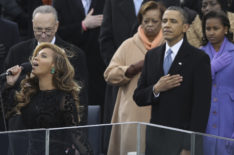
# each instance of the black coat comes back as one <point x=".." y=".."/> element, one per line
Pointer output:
<point x="119" y="24"/>
<point x="185" y="107"/>
<point x="9" y="36"/>
<point x="70" y="14"/>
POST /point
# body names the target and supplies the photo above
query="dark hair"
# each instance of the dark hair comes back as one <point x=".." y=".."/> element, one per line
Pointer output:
<point x="224" y="20"/>
<point x="222" y="3"/>
<point x="183" y="13"/>
<point x="151" y="5"/>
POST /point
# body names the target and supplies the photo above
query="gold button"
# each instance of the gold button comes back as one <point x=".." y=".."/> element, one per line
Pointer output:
<point x="214" y="112"/>
<point x="214" y="85"/>
<point x="214" y="125"/>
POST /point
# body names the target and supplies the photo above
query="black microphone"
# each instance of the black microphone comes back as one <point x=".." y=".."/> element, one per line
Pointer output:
<point x="26" y="68"/>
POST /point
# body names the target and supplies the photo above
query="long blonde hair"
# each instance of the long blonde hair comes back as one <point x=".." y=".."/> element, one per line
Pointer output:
<point x="63" y="78"/>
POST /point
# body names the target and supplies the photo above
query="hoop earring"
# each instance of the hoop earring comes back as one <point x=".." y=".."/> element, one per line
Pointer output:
<point x="52" y="71"/>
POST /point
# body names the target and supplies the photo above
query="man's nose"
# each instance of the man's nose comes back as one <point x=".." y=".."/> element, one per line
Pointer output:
<point x="208" y="8"/>
<point x="167" y="24"/>
<point x="43" y="34"/>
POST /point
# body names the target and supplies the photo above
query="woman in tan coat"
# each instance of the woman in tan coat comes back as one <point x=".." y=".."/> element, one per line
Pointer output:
<point x="194" y="33"/>
<point x="124" y="71"/>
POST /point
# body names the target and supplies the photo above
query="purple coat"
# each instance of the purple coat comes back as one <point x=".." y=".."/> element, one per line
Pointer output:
<point x="221" y="118"/>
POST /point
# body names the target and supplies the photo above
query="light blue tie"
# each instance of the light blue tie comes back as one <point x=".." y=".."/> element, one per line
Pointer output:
<point x="167" y="62"/>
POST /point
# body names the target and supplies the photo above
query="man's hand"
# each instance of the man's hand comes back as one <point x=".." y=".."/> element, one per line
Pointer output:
<point x="167" y="82"/>
<point x="185" y="152"/>
<point x="92" y="21"/>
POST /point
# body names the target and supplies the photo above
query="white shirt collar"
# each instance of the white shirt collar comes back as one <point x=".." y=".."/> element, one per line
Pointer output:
<point x="137" y="4"/>
<point x="86" y="5"/>
<point x="52" y="41"/>
<point x="175" y="48"/>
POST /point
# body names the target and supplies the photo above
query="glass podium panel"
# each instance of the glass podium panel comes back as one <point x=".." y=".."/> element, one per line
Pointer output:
<point x="130" y="138"/>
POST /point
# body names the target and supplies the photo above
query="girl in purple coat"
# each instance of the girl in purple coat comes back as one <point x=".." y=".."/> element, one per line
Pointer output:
<point x="218" y="45"/>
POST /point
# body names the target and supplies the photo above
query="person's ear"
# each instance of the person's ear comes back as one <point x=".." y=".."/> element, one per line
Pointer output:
<point x="226" y="30"/>
<point x="185" y="27"/>
<point x="56" y="26"/>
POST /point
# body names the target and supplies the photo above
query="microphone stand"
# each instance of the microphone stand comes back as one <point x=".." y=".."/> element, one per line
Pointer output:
<point x="2" y="106"/>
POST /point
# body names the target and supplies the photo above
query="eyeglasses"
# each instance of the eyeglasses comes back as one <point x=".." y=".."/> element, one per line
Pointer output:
<point x="39" y="30"/>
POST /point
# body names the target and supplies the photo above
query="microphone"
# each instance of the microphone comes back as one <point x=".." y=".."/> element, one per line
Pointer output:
<point x="26" y="68"/>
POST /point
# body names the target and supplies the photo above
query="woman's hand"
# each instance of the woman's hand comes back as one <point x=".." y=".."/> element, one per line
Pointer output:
<point x="134" y="69"/>
<point x="11" y="79"/>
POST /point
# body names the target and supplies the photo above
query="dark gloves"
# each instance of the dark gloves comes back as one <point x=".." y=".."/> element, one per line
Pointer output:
<point x="134" y="69"/>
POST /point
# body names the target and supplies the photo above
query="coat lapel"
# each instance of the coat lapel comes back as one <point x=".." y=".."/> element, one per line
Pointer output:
<point x="93" y="4"/>
<point x="180" y="59"/>
<point x="157" y="70"/>
<point x="79" y="5"/>
<point x="33" y="45"/>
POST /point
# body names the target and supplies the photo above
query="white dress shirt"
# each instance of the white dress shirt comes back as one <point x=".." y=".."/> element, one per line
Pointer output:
<point x="175" y="48"/>
<point x="52" y="41"/>
<point x="137" y="4"/>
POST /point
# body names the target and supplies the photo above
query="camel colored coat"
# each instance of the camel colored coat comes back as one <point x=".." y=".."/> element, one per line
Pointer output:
<point x="194" y="33"/>
<point x="124" y="138"/>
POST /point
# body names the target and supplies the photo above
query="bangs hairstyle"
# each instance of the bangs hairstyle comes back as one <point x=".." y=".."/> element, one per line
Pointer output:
<point x="151" y="5"/>
<point x="63" y="78"/>
<point x="222" y="16"/>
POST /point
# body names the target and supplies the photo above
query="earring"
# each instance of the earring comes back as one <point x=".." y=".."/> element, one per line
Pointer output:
<point x="225" y="32"/>
<point x="52" y="71"/>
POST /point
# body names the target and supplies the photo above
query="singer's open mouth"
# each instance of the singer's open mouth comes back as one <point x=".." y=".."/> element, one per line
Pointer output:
<point x="35" y="64"/>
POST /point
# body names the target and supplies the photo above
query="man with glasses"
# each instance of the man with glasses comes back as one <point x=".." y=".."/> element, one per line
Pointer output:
<point x="45" y="25"/>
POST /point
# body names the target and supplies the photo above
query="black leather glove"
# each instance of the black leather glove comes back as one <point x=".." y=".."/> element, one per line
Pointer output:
<point x="134" y="69"/>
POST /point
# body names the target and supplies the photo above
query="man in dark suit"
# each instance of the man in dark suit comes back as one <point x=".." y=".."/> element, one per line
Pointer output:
<point x="80" y="22"/>
<point x="9" y="36"/>
<point x="176" y="81"/>
<point x="45" y="25"/>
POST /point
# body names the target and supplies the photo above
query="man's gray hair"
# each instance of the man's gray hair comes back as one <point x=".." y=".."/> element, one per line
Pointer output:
<point x="183" y="13"/>
<point x="45" y="9"/>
